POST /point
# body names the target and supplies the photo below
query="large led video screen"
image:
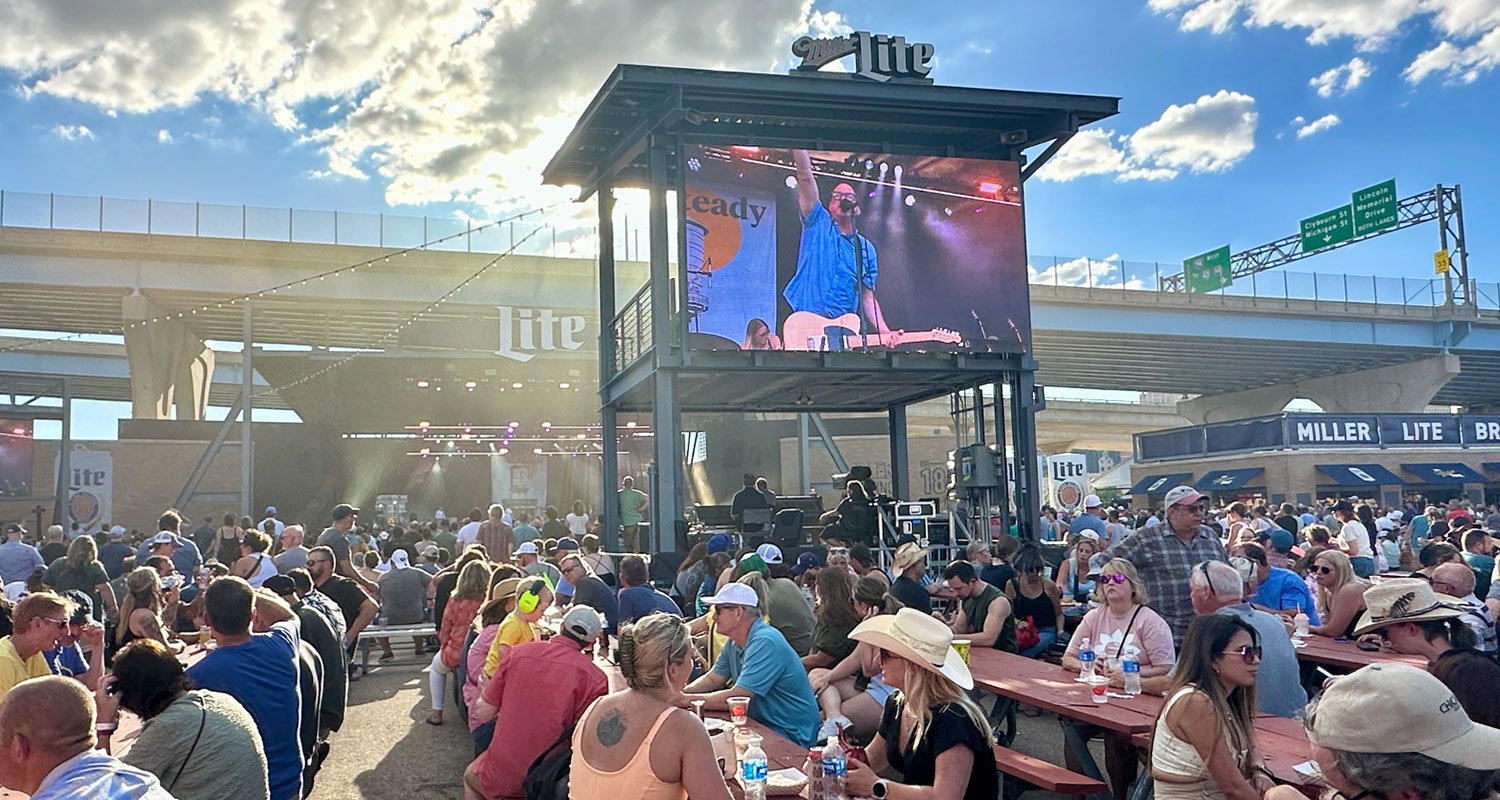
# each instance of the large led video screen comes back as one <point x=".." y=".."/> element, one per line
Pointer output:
<point x="799" y="250"/>
<point x="15" y="457"/>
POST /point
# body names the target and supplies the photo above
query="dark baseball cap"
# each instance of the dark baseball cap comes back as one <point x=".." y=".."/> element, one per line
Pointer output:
<point x="83" y="607"/>
<point x="281" y="585"/>
<point x="14" y="528"/>
<point x="344" y="510"/>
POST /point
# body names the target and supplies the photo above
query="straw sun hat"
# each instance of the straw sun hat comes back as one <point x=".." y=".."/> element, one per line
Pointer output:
<point x="1405" y="600"/>
<point x="918" y="638"/>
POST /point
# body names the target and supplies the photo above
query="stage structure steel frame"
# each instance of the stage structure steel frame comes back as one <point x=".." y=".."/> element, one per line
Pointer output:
<point x="633" y="134"/>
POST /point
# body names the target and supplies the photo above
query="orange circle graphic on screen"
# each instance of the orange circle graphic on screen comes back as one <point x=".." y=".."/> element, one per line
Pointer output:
<point x="721" y="241"/>
<point x="1069" y="495"/>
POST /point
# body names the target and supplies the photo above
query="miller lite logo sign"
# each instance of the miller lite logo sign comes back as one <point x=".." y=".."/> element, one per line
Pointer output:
<point x="525" y="331"/>
<point x="877" y="57"/>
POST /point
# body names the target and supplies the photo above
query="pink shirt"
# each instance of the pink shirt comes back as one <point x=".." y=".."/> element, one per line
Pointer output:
<point x="474" y="661"/>
<point x="1151" y="636"/>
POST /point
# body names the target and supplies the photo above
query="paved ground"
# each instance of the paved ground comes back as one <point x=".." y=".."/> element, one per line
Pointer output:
<point x="386" y="752"/>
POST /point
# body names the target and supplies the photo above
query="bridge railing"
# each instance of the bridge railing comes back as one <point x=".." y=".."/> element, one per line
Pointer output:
<point x="1127" y="280"/>
<point x="1275" y="288"/>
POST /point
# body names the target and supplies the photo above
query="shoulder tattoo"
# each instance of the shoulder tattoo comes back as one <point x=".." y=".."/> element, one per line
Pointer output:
<point x="611" y="729"/>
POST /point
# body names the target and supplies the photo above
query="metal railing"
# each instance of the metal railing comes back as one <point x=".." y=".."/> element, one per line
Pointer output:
<point x="1123" y="280"/>
<point x="1139" y="279"/>
<point x="632" y="329"/>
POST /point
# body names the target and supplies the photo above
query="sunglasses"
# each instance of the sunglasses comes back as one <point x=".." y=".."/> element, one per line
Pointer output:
<point x="838" y="551"/>
<point x="1250" y="653"/>
<point x="1116" y="578"/>
<point x="1324" y="569"/>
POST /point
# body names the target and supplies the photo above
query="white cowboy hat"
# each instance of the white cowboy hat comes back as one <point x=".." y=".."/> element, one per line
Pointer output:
<point x="918" y="638"/>
<point x="906" y="555"/>
<point x="1404" y="600"/>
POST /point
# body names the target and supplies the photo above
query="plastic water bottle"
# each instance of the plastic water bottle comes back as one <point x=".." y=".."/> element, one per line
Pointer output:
<point x="1300" y="623"/>
<point x="813" y="769"/>
<point x="1086" y="657"/>
<point x="834" y="771"/>
<point x="753" y="768"/>
<point x="1131" y="665"/>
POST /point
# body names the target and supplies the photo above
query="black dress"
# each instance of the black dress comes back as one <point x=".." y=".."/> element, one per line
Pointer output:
<point x="950" y="727"/>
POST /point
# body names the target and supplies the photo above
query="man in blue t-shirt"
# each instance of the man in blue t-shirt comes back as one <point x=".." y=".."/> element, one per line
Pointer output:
<point x="638" y="598"/>
<point x="833" y="258"/>
<point x="1278" y="589"/>
<point x="759" y="664"/>
<point x="259" y="670"/>
<point x="68" y="659"/>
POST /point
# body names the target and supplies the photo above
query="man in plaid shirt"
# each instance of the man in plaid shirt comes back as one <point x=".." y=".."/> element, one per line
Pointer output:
<point x="1164" y="554"/>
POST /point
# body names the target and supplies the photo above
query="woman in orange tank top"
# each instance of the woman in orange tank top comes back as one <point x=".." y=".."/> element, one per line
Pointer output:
<point x="637" y="744"/>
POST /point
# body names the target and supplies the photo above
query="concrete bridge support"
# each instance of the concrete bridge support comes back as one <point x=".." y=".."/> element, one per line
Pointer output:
<point x="170" y="367"/>
<point x="1397" y="389"/>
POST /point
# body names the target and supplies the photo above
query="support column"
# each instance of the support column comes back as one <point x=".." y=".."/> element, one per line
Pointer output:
<point x="170" y="366"/>
<point x="900" y="458"/>
<point x="247" y="395"/>
<point x="1023" y="408"/>
<point x="804" y="456"/>
<point x="666" y="499"/>
<point x="609" y="468"/>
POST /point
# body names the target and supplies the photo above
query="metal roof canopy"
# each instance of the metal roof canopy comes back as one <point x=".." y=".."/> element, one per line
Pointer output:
<point x="632" y="135"/>
<point x="821" y="112"/>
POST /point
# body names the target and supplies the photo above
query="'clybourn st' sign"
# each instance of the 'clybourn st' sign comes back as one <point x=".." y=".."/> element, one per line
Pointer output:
<point x="877" y="57"/>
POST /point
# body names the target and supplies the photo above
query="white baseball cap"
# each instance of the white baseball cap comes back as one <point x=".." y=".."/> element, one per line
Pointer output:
<point x="163" y="538"/>
<point x="583" y="623"/>
<point x="1092" y="501"/>
<point x="769" y="553"/>
<point x="1183" y="494"/>
<point x="734" y="594"/>
<point x="527" y="549"/>
<point x="1390" y="707"/>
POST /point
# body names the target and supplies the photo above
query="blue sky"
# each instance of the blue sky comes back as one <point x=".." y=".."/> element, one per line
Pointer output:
<point x="450" y="107"/>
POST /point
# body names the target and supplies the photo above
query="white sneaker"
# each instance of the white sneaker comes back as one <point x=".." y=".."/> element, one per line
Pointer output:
<point x="832" y="726"/>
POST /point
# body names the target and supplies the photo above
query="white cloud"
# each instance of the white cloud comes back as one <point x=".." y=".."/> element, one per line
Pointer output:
<point x="1210" y="134"/>
<point x="1342" y="79"/>
<point x="442" y="99"/>
<point x="164" y="136"/>
<point x="1318" y="125"/>
<point x="1099" y="273"/>
<point x="1465" y="41"/>
<point x="72" y="133"/>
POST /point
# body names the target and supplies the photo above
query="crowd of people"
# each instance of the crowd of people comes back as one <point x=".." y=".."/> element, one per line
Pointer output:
<point x="826" y="645"/>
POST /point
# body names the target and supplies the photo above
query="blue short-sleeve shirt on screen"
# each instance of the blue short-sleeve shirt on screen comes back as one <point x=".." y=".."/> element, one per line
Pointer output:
<point x="768" y="668"/>
<point x="67" y="661"/>
<point x="262" y="674"/>
<point x="826" y="263"/>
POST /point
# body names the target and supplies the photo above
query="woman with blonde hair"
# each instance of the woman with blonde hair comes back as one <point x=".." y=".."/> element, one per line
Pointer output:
<point x="145" y="607"/>
<point x="930" y="732"/>
<point x="458" y="616"/>
<point x="1341" y="595"/>
<point x="1203" y="747"/>
<point x="1122" y="623"/>
<point x="80" y="569"/>
<point x="640" y="743"/>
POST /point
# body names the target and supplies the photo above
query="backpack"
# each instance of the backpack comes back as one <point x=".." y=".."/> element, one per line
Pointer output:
<point x="547" y="778"/>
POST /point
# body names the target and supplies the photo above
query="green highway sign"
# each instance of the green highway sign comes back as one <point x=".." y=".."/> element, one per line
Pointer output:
<point x="1374" y="208"/>
<point x="1328" y="229"/>
<point x="1210" y="271"/>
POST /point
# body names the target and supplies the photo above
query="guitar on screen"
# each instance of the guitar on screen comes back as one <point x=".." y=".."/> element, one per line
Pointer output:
<point x="804" y="330"/>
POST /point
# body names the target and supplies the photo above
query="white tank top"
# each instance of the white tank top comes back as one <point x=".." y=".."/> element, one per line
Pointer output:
<point x="266" y="570"/>
<point x="1174" y="756"/>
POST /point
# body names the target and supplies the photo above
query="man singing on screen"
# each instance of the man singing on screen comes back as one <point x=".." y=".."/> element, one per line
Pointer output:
<point x="829" y="281"/>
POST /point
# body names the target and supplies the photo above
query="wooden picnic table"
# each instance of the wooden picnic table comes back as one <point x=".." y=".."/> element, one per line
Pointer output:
<point x="1283" y="742"/>
<point x="1347" y="655"/>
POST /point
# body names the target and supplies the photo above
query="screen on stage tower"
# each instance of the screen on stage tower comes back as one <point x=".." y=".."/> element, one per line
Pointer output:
<point x="799" y="250"/>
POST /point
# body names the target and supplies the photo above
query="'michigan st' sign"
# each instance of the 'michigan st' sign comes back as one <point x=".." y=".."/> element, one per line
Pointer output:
<point x="877" y="57"/>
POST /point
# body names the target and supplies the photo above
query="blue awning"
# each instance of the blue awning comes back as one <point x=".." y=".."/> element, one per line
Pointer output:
<point x="1444" y="473"/>
<point x="1160" y="484"/>
<point x="1359" y="475"/>
<point x="1491" y="466"/>
<point x="1227" y="480"/>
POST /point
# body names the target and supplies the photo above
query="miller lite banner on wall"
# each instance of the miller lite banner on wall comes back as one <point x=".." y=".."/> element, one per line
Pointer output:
<point x="799" y="250"/>
<point x="91" y="485"/>
<point x="1067" y="481"/>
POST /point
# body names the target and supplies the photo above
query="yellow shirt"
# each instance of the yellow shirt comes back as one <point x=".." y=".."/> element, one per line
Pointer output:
<point x="14" y="669"/>
<point x="513" y="631"/>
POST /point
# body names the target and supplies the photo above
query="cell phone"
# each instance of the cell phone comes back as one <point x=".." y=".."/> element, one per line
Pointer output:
<point x="1370" y="646"/>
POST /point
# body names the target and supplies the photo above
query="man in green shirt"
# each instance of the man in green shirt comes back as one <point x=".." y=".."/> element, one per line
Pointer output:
<point x="984" y="612"/>
<point x="633" y="505"/>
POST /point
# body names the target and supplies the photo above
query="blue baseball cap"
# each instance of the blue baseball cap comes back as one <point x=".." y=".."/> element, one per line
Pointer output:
<point x="720" y="543"/>
<point x="805" y="562"/>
